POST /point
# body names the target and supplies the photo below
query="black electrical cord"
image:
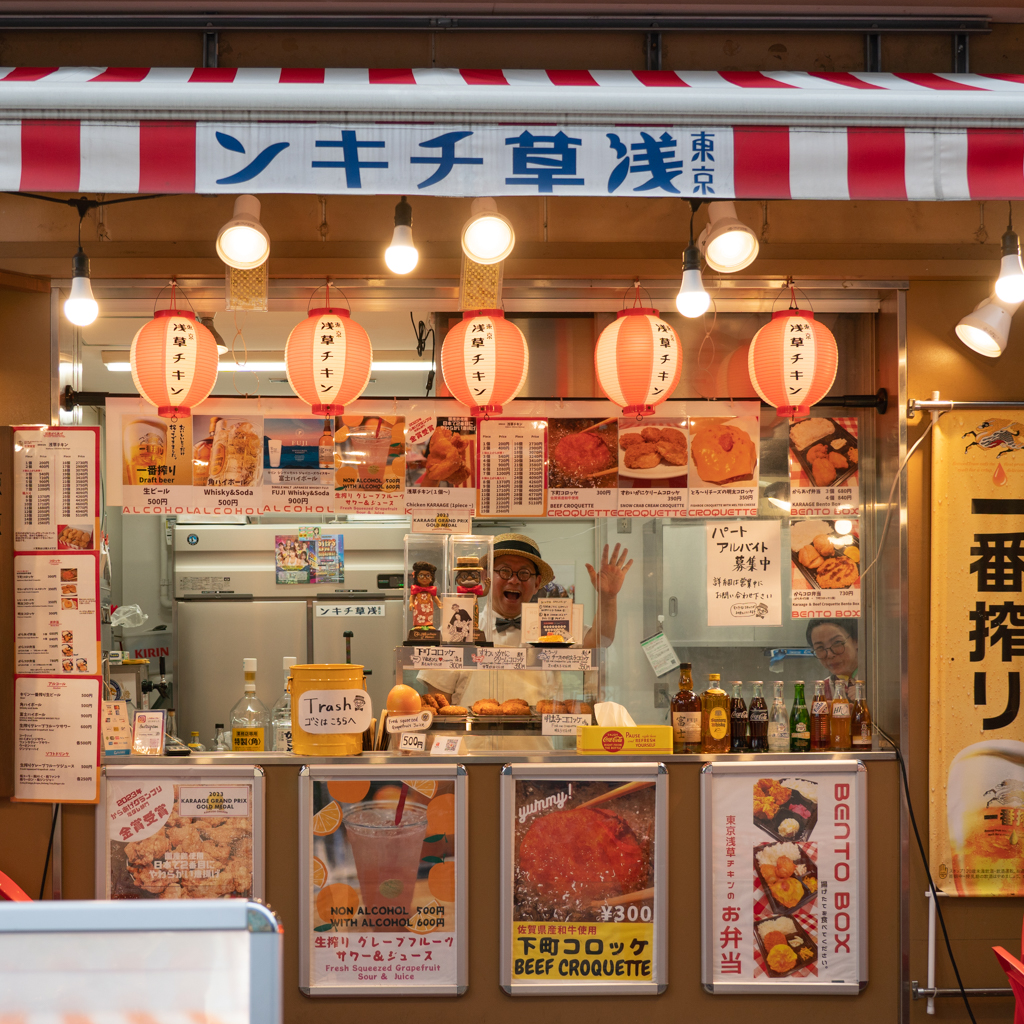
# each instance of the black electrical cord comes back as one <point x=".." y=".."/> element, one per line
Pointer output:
<point x="49" y="850"/>
<point x="928" y="870"/>
<point x="421" y="330"/>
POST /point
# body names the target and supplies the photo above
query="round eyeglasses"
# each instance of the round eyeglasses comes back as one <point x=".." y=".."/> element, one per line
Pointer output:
<point x="524" y="574"/>
<point x="836" y="647"/>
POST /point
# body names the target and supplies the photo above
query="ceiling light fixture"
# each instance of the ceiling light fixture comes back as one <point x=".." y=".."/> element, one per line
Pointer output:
<point x="692" y="300"/>
<point x="726" y="242"/>
<point x="401" y="255"/>
<point x="1010" y="283"/>
<point x="81" y="307"/>
<point x="243" y="242"/>
<point x="986" y="329"/>
<point x="487" y="236"/>
<point x="207" y="322"/>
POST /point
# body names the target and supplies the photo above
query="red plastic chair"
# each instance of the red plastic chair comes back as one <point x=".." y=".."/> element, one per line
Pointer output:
<point x="10" y="890"/>
<point x="1015" y="973"/>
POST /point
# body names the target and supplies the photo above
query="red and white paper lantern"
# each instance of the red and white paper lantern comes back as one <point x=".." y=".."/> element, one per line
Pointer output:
<point x="484" y="360"/>
<point x="174" y="362"/>
<point x="638" y="360"/>
<point x="793" y="361"/>
<point x="328" y="359"/>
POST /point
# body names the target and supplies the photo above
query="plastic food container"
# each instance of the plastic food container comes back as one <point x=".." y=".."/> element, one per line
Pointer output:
<point x="330" y="710"/>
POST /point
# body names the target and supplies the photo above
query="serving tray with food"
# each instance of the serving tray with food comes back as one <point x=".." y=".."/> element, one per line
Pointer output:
<point x="787" y="809"/>
<point x="826" y="451"/>
<point x="826" y="559"/>
<point x="788" y="874"/>
<point x="785" y="945"/>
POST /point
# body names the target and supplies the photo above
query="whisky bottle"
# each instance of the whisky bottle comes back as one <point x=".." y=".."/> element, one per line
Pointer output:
<point x="686" y="714"/>
<point x="714" y="731"/>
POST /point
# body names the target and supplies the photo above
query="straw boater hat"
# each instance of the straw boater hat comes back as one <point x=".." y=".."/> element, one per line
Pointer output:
<point x="524" y="547"/>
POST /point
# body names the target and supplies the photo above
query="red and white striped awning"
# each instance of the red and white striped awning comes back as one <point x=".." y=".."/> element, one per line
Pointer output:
<point x="450" y="132"/>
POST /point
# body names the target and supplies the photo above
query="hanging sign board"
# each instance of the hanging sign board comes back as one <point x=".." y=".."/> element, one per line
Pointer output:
<point x="190" y="832"/>
<point x="824" y="460"/>
<point x="577" y="925"/>
<point x="976" y="750"/>
<point x="383" y="876"/>
<point x="783" y="872"/>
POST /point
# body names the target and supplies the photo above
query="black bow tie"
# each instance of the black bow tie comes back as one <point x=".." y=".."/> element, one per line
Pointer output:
<point x="502" y="624"/>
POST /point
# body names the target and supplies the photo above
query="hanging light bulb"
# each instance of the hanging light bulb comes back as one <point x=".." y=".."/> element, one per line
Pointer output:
<point x="401" y="255"/>
<point x="727" y="243"/>
<point x="207" y="322"/>
<point x="986" y="330"/>
<point x="692" y="300"/>
<point x="243" y="241"/>
<point x="487" y="236"/>
<point x="81" y="307"/>
<point x="1010" y="283"/>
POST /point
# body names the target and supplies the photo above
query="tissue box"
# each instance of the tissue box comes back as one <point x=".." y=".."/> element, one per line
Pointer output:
<point x="624" y="739"/>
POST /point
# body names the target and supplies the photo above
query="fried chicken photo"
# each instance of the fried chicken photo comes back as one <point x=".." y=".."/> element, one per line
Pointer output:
<point x="446" y="460"/>
<point x="581" y="855"/>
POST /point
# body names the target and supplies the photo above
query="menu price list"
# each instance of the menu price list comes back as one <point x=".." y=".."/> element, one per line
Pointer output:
<point x="513" y="478"/>
<point x="56" y="738"/>
<point x="56" y="613"/>
<point x="57" y="499"/>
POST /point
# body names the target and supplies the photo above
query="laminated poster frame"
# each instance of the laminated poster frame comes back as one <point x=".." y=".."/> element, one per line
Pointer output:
<point x="394" y="775"/>
<point x="649" y="771"/>
<point x="856" y="775"/>
<point x="205" y="776"/>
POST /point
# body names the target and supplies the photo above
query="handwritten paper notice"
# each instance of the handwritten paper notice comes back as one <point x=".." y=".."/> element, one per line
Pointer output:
<point x="435" y="657"/>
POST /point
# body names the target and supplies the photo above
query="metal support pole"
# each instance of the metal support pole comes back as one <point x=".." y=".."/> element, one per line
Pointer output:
<point x="931" y="950"/>
<point x="961" y="53"/>
<point x="210" y="48"/>
<point x="56" y="857"/>
<point x="873" y="52"/>
<point x="653" y="49"/>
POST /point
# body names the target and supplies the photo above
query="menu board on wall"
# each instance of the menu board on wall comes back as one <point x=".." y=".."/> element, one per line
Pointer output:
<point x="583" y="868"/>
<point x="976" y="753"/>
<point x="824" y="460"/>
<point x="783" y="872"/>
<point x="57" y="488"/>
<point x="382" y="881"/>
<point x="825" y="565"/>
<point x="56" y="613"/>
<point x="182" y="833"/>
<point x="566" y="459"/>
<point x="56" y="738"/>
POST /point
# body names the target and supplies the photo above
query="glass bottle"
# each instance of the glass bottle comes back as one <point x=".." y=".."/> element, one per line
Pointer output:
<point x="714" y="717"/>
<point x="193" y="743"/>
<point x="861" y="724"/>
<point x="839" y="722"/>
<point x="799" y="722"/>
<point x="819" y="718"/>
<point x="281" y="713"/>
<point x="686" y="714"/>
<point x="737" y="719"/>
<point x="172" y="723"/>
<point x="778" y="724"/>
<point x="222" y="740"/>
<point x="757" y="716"/>
<point x="249" y="717"/>
<point x="326" y="446"/>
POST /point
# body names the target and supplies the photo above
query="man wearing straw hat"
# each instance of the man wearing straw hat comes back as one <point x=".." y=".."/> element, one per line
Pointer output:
<point x="519" y="573"/>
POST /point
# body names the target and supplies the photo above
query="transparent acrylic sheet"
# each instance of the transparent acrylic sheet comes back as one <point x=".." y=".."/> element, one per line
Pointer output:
<point x="395" y="775"/>
<point x="204" y="776"/>
<point x="652" y="771"/>
<point x="712" y="858"/>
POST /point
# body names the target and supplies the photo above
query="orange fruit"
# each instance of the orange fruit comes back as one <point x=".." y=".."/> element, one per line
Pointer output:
<point x="387" y="794"/>
<point x="425" y="787"/>
<point x="336" y="902"/>
<point x="319" y="872"/>
<point x="403" y="700"/>
<point x="441" y="815"/>
<point x="327" y="821"/>
<point x="348" y="791"/>
<point x="441" y="881"/>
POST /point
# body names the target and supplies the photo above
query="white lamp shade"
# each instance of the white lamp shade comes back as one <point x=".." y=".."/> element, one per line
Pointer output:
<point x="401" y="255"/>
<point x="81" y="307"/>
<point x="987" y="329"/>
<point x="243" y="241"/>
<point x="1010" y="283"/>
<point x="727" y="243"/>
<point x="487" y="236"/>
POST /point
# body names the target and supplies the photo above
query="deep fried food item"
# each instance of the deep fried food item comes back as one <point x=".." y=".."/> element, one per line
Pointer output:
<point x="851" y="454"/>
<point x="429" y="700"/>
<point x="446" y="459"/>
<point x="784" y="867"/>
<point x="823" y="472"/>
<point x="837" y="573"/>
<point x="773" y="939"/>
<point x="722" y="453"/>
<point x="581" y="855"/>
<point x="515" y="706"/>
<point x="808" y="556"/>
<point x="627" y="440"/>
<point x="673" y="454"/>
<point x="673" y="436"/>
<point x="578" y="707"/>
<point x="838" y="461"/>
<point x="819" y="451"/>
<point x="823" y="545"/>
<point x="642" y="456"/>
<point x="486" y="706"/>
<point x="787" y="891"/>
<point x="442" y="700"/>
<point x="781" y="959"/>
<point x="550" y="707"/>
<point x="581" y="455"/>
<point x="769" y="875"/>
<point x="453" y="709"/>
<point x="652" y="435"/>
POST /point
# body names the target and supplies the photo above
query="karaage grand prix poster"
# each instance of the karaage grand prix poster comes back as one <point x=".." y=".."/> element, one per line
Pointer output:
<point x="976" y="745"/>
<point x="587" y="900"/>
<point x="383" y="881"/>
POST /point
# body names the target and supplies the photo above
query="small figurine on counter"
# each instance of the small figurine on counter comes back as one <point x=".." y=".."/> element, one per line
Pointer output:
<point x="422" y="601"/>
<point x="469" y="579"/>
<point x="460" y="626"/>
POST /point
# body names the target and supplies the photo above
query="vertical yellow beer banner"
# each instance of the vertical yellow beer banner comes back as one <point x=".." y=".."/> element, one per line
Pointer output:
<point x="976" y="755"/>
